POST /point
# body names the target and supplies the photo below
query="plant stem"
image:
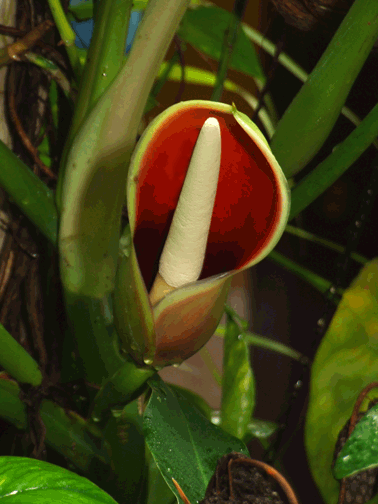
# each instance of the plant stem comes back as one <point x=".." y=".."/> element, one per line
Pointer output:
<point x="94" y="184"/>
<point x="228" y="47"/>
<point x="312" y="114"/>
<point x="301" y="233"/>
<point x="342" y="158"/>
<point x="69" y="434"/>
<point x="105" y="56"/>
<point x="16" y="360"/>
<point x="319" y="283"/>
<point x="29" y="193"/>
<point x="67" y="34"/>
<point x="293" y="67"/>
<point x="205" y="78"/>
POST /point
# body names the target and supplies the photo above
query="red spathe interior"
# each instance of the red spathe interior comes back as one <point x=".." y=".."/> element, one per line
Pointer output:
<point x="247" y="203"/>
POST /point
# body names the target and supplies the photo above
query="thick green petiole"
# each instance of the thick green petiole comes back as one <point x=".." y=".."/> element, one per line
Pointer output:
<point x="312" y="114"/>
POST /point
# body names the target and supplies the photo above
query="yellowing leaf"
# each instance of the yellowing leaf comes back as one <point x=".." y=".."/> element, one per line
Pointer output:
<point x="346" y="361"/>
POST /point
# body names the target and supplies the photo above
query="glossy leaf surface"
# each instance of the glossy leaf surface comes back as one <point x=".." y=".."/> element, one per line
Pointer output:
<point x="345" y="363"/>
<point x="26" y="481"/>
<point x="360" y="451"/>
<point x="184" y="444"/>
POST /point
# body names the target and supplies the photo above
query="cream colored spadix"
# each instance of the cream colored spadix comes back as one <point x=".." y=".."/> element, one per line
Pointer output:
<point x="183" y="254"/>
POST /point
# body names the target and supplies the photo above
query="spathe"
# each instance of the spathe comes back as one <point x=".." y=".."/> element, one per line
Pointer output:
<point x="250" y="213"/>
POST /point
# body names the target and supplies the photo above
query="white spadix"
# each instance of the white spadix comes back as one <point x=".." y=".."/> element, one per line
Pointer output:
<point x="183" y="254"/>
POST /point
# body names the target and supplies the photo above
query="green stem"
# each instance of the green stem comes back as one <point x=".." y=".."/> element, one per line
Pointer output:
<point x="105" y="56"/>
<point x="202" y="77"/>
<point x="301" y="233"/>
<point x="29" y="193"/>
<point x="264" y="342"/>
<point x="319" y="283"/>
<point x="16" y="360"/>
<point x="228" y="47"/>
<point x="342" y="158"/>
<point x="53" y="70"/>
<point x="69" y="434"/>
<point x="312" y="114"/>
<point x="94" y="183"/>
<point x="67" y="34"/>
<point x="293" y="67"/>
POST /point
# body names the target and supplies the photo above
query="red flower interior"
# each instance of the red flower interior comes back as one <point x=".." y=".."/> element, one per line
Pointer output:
<point x="247" y="203"/>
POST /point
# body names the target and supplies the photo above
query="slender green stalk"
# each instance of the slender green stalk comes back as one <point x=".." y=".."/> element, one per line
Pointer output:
<point x="293" y="67"/>
<point x="202" y="77"/>
<point x="309" y="119"/>
<point x="94" y="184"/>
<point x="29" y="193"/>
<point x="69" y="434"/>
<point x="67" y="34"/>
<point x="264" y="342"/>
<point x="52" y="69"/>
<point x="228" y="47"/>
<point x="319" y="283"/>
<point x="301" y="233"/>
<point x="342" y="158"/>
<point x="14" y="51"/>
<point x="16" y="360"/>
<point x="95" y="339"/>
<point x="105" y="56"/>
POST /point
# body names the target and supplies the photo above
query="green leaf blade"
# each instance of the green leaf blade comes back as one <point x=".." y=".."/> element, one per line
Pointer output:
<point x="26" y="481"/>
<point x="345" y="363"/>
<point x="184" y="444"/>
<point x="360" y="451"/>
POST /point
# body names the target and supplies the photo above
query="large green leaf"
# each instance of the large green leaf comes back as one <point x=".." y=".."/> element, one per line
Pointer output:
<point x="360" y="451"/>
<point x="26" y="481"/>
<point x="184" y="444"/>
<point x="345" y="363"/>
<point x="204" y="29"/>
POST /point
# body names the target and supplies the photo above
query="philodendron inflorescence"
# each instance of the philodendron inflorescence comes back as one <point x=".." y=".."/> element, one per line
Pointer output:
<point x="193" y="229"/>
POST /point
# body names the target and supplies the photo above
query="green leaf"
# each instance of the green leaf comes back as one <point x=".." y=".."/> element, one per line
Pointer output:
<point x="345" y="363"/>
<point x="26" y="480"/>
<point x="123" y="439"/>
<point x="204" y="29"/>
<point x="158" y="490"/>
<point x="81" y="9"/>
<point x="312" y="114"/>
<point x="335" y="165"/>
<point x="238" y="386"/>
<point x="184" y="444"/>
<point x="360" y="451"/>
